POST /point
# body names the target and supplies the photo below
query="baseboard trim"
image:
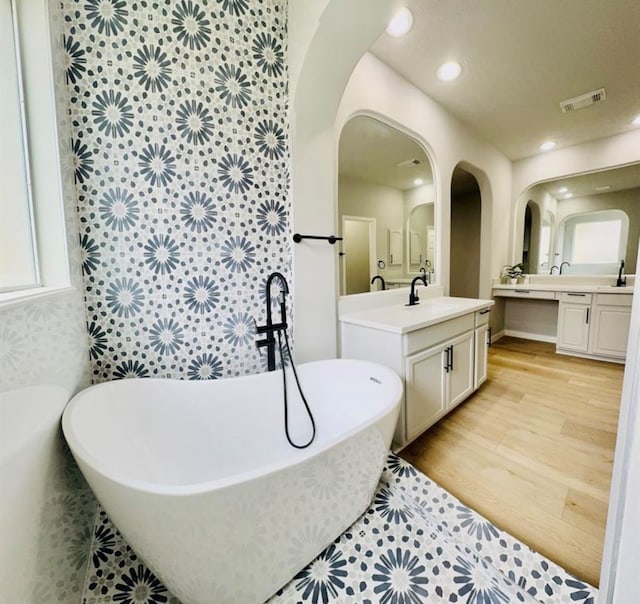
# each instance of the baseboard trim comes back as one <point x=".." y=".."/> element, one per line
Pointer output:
<point x="593" y="357"/>
<point x="525" y="335"/>
<point x="497" y="336"/>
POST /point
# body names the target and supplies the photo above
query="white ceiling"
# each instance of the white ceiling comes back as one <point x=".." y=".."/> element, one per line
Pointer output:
<point x="520" y="58"/>
<point x="586" y="185"/>
<point x="371" y="151"/>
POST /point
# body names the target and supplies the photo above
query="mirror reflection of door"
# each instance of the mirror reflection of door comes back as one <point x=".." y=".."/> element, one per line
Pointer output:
<point x="466" y="206"/>
<point x="415" y="248"/>
<point x="420" y="227"/>
<point x="544" y="248"/>
<point x="359" y="254"/>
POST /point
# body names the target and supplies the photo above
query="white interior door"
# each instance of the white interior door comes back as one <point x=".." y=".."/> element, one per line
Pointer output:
<point x="359" y="254"/>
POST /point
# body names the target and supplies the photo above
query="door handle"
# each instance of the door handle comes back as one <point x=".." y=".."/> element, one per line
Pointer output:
<point x="587" y="320"/>
<point x="449" y="360"/>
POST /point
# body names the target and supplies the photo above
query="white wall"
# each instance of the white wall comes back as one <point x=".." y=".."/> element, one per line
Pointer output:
<point x="417" y="196"/>
<point x="344" y="31"/>
<point x="46" y="509"/>
<point x="377" y="90"/>
<point x="326" y="40"/>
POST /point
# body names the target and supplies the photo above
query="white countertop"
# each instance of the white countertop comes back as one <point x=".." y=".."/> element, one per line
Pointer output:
<point x="559" y="287"/>
<point x="402" y="319"/>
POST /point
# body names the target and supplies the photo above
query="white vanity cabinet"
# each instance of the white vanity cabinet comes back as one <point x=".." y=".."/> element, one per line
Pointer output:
<point x="596" y="325"/>
<point x="574" y="315"/>
<point x="482" y="343"/>
<point x="436" y="380"/>
<point x="610" y="325"/>
<point x="442" y="363"/>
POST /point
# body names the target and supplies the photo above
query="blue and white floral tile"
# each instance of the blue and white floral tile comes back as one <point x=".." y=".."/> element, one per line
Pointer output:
<point x="179" y="125"/>
<point x="115" y="574"/>
<point x="64" y="538"/>
<point x="415" y="543"/>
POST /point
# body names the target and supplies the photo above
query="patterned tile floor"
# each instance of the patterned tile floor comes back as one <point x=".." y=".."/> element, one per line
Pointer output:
<point x="415" y="543"/>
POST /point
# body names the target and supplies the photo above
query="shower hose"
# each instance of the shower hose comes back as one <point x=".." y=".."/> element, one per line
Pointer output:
<point x="286" y="402"/>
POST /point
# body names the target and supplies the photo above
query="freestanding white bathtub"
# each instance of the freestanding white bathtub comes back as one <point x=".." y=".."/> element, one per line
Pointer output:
<point x="199" y="478"/>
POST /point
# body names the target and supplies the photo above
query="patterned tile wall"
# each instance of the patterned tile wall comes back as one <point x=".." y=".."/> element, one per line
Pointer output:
<point x="180" y="153"/>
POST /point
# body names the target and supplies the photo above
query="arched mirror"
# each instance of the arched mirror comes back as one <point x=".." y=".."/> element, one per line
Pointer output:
<point x="385" y="207"/>
<point x="583" y="225"/>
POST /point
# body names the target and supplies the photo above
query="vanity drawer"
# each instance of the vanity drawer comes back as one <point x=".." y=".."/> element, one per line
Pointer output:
<point x="420" y="339"/>
<point x="482" y="317"/>
<point x="614" y="299"/>
<point x="575" y="297"/>
<point x="525" y="293"/>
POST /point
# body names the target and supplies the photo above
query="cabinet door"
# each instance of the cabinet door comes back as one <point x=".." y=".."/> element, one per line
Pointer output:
<point x="573" y="327"/>
<point x="461" y="368"/>
<point x="480" y="366"/>
<point x="425" y="389"/>
<point x="611" y="330"/>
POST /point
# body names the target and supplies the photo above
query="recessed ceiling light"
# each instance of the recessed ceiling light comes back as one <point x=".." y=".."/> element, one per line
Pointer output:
<point x="636" y="120"/>
<point x="547" y="145"/>
<point x="418" y="181"/>
<point x="401" y="23"/>
<point x="567" y="196"/>
<point x="563" y="190"/>
<point x="447" y="72"/>
<point x="603" y="188"/>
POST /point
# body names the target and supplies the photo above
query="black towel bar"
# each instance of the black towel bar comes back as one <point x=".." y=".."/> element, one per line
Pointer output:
<point x="330" y="238"/>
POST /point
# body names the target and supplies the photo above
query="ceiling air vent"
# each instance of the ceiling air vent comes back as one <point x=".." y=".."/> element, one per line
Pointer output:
<point x="409" y="163"/>
<point x="584" y="100"/>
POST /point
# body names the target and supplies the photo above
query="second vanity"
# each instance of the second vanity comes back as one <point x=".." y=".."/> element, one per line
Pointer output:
<point x="438" y="347"/>
<point x="584" y="316"/>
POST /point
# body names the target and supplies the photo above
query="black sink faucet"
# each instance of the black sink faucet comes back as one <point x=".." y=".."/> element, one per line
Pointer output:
<point x="622" y="281"/>
<point x="551" y="271"/>
<point x="413" y="294"/>
<point x="562" y="264"/>
<point x="270" y="328"/>
<point x="384" y="285"/>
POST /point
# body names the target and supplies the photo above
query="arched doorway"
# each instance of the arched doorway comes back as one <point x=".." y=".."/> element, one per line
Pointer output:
<point x="466" y="220"/>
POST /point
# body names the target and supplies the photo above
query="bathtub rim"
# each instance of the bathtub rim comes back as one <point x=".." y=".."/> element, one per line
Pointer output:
<point x="298" y="456"/>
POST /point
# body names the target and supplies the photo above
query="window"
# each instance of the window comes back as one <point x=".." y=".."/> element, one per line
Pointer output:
<point x="17" y="256"/>
<point x="33" y="245"/>
<point x="595" y="242"/>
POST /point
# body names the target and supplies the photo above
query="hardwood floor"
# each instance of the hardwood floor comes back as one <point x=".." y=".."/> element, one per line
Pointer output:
<point x="532" y="450"/>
